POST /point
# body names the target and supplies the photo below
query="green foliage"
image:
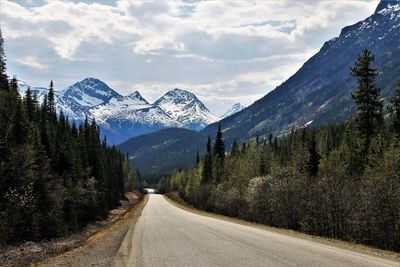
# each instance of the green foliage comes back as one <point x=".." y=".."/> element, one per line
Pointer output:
<point x="367" y="98"/>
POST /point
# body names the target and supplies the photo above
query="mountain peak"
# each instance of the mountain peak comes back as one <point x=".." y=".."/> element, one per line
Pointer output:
<point x="90" y="92"/>
<point x="137" y="96"/>
<point x="232" y="110"/>
<point x="186" y="108"/>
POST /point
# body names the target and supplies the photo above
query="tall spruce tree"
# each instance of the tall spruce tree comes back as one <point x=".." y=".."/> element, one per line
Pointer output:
<point x="219" y="153"/>
<point x="208" y="163"/>
<point x="51" y="102"/>
<point x="367" y="98"/>
<point x="219" y="146"/>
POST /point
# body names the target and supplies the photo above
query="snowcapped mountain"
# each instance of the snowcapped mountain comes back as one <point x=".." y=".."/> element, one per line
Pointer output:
<point x="232" y="110"/>
<point x="90" y="92"/>
<point x="185" y="108"/>
<point x="122" y="117"/>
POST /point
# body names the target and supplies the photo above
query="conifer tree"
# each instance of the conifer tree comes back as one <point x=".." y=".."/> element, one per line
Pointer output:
<point x="219" y="146"/>
<point x="367" y="98"/>
<point x="51" y="102"/>
<point x="3" y="68"/>
<point x="396" y="112"/>
<point x="219" y="153"/>
<point x="208" y="162"/>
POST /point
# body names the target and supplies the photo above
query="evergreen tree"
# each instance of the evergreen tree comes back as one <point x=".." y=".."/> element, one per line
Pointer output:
<point x="3" y="68"/>
<point x="51" y="106"/>
<point x="219" y="146"/>
<point x="219" y="153"/>
<point x="396" y="112"/>
<point x="208" y="162"/>
<point x="367" y="98"/>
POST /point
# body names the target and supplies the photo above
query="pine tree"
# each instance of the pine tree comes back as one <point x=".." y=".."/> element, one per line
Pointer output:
<point x="51" y="106"/>
<point x="219" y="146"/>
<point x="367" y="98"/>
<point x="219" y="153"/>
<point x="3" y="68"/>
<point x="29" y="104"/>
<point x="208" y="162"/>
<point x="396" y="112"/>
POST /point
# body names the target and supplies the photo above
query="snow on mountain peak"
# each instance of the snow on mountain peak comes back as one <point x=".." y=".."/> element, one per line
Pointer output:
<point x="90" y="92"/>
<point x="186" y="108"/>
<point x="232" y="110"/>
<point x="122" y="117"/>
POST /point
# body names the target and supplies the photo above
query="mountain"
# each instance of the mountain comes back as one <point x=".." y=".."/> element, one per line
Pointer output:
<point x="232" y="110"/>
<point x="122" y="117"/>
<point x="185" y="108"/>
<point x="90" y="92"/>
<point x="318" y="93"/>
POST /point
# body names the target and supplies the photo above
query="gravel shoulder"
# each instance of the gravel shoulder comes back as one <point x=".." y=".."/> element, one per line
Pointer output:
<point x="100" y="249"/>
<point x="175" y="199"/>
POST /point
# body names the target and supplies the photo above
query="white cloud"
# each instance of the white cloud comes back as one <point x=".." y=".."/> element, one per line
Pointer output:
<point x="214" y="48"/>
<point x="31" y="62"/>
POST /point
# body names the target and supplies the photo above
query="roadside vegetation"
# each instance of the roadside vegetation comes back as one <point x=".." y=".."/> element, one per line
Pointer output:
<point x="340" y="181"/>
<point x="55" y="176"/>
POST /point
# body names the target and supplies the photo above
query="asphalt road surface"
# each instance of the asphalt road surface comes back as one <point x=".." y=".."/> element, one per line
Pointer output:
<point x="166" y="235"/>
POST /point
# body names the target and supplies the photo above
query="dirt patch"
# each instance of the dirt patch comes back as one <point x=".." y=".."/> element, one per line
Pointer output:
<point x="174" y="198"/>
<point x="31" y="252"/>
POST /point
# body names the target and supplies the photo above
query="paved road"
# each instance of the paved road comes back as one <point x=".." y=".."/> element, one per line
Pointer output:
<point x="166" y="235"/>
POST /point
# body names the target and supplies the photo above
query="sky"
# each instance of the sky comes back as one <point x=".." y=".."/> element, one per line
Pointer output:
<point x="223" y="51"/>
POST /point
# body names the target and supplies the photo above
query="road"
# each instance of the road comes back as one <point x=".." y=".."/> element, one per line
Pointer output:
<point x="166" y="235"/>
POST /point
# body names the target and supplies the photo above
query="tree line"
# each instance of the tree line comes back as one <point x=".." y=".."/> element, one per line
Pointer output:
<point x="340" y="180"/>
<point x="55" y="176"/>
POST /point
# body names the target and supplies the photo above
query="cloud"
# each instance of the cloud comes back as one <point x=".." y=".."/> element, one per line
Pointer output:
<point x="31" y="62"/>
<point x="224" y="51"/>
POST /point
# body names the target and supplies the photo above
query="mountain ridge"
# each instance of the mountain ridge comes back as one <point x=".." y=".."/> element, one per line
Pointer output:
<point x="317" y="94"/>
<point x="122" y="117"/>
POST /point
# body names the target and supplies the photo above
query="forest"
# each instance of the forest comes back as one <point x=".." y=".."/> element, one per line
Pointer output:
<point x="56" y="176"/>
<point x="340" y="180"/>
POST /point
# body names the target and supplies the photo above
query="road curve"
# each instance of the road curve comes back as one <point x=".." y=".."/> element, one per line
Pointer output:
<point x="166" y="235"/>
